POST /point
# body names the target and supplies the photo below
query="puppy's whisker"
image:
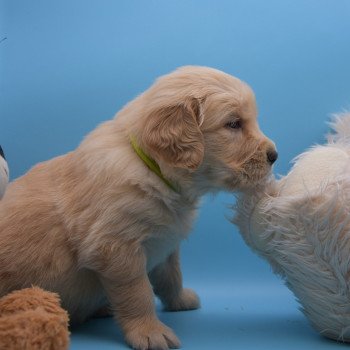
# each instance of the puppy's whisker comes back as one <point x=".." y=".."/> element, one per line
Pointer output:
<point x="253" y="153"/>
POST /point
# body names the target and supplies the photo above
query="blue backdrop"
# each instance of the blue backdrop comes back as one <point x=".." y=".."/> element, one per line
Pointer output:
<point x="66" y="66"/>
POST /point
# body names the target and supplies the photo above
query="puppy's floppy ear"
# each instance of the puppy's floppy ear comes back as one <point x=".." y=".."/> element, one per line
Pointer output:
<point x="172" y="134"/>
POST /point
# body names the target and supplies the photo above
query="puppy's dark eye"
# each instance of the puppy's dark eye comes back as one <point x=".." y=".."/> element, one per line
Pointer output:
<point x="236" y="124"/>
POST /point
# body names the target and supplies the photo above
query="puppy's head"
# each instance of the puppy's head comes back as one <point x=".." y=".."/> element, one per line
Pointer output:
<point x="4" y="173"/>
<point x="204" y="121"/>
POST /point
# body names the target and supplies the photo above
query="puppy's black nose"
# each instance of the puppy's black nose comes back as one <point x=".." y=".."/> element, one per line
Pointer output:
<point x="2" y="154"/>
<point x="272" y="156"/>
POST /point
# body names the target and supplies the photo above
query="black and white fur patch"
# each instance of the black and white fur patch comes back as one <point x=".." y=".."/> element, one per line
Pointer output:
<point x="4" y="173"/>
<point x="2" y="154"/>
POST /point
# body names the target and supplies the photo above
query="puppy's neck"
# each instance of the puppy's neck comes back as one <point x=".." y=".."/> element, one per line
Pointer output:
<point x="192" y="186"/>
<point x="151" y="164"/>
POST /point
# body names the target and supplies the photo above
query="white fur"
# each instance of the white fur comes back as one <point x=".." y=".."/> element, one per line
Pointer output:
<point x="301" y="225"/>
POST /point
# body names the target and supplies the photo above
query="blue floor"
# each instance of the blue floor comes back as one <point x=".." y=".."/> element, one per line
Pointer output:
<point x="248" y="317"/>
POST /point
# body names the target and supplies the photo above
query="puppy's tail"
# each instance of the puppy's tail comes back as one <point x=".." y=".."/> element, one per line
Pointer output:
<point x="340" y="125"/>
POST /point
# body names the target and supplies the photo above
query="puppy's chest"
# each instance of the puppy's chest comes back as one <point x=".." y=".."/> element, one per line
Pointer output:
<point x="159" y="248"/>
<point x="165" y="240"/>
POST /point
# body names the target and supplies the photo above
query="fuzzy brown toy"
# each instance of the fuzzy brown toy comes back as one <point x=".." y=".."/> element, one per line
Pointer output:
<point x="31" y="318"/>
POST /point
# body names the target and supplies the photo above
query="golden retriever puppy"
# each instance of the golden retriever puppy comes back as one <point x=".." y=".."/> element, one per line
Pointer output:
<point x="102" y="225"/>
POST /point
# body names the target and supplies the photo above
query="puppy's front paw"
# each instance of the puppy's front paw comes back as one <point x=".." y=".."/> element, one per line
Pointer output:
<point x="187" y="300"/>
<point x="152" y="335"/>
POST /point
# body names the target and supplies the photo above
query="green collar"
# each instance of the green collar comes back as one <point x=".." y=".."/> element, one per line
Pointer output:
<point x="151" y="163"/>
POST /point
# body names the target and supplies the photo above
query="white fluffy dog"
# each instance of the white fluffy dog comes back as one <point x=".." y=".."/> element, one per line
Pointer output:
<point x="4" y="173"/>
<point x="301" y="225"/>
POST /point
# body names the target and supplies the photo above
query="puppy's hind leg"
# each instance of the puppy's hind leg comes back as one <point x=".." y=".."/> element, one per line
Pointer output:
<point x="166" y="279"/>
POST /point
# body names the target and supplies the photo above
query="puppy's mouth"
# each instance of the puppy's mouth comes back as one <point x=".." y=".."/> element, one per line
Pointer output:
<point x="244" y="179"/>
<point x="253" y="174"/>
<point x="249" y="182"/>
<point x="253" y="170"/>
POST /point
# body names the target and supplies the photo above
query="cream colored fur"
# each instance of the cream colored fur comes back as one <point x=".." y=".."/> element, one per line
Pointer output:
<point x="102" y="230"/>
<point x="301" y="225"/>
